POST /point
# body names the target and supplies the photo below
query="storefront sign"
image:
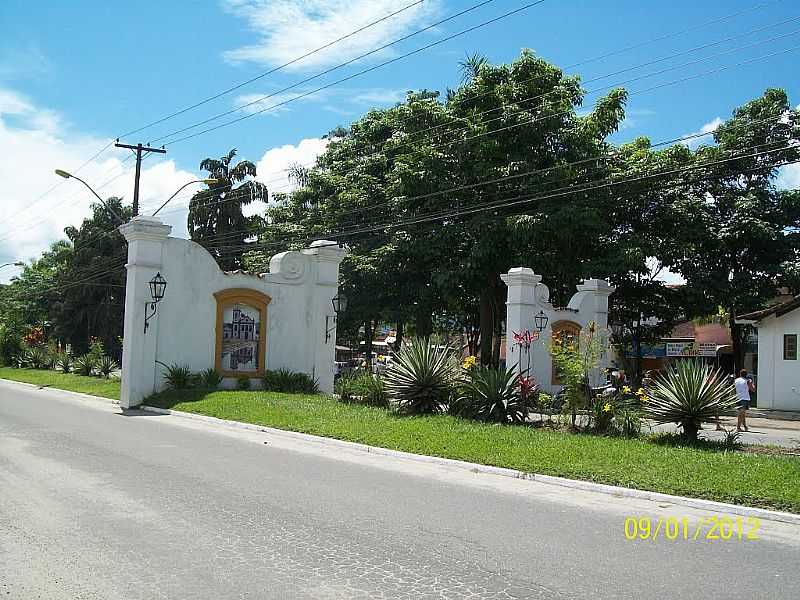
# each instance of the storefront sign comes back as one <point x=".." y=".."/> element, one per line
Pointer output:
<point x="681" y="349"/>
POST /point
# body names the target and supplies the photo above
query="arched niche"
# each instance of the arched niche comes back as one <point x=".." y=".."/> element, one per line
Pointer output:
<point x="564" y="328"/>
<point x="241" y="332"/>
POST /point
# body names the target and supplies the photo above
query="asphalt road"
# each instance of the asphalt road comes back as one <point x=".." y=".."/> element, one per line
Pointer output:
<point x="96" y="504"/>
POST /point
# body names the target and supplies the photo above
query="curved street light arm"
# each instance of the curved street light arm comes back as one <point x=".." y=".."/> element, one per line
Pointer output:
<point x="206" y="181"/>
<point x="103" y="202"/>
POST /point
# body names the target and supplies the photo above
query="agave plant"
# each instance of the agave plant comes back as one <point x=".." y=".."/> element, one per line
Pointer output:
<point x="493" y="395"/>
<point x="64" y="362"/>
<point x="34" y="358"/>
<point x="178" y="377"/>
<point x="420" y="381"/>
<point x="106" y="366"/>
<point x="690" y="394"/>
<point x="83" y="365"/>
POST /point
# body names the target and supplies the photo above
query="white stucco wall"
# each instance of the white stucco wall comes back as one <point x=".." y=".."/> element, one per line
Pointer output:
<point x="527" y="295"/>
<point x="778" y="379"/>
<point x="183" y="331"/>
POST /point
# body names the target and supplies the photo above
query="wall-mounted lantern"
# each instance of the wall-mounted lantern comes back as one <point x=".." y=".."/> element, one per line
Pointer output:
<point x="158" y="286"/>
<point x="339" y="303"/>
<point x="541" y="321"/>
<point x="617" y="328"/>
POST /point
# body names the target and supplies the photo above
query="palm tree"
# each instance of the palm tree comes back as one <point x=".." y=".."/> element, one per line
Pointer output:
<point x="216" y="220"/>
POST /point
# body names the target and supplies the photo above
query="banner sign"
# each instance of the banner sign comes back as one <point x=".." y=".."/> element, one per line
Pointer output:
<point x="648" y="351"/>
<point x="706" y="350"/>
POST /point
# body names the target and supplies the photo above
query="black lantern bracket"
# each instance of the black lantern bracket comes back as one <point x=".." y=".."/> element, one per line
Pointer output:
<point x="339" y="303"/>
<point x="158" y="286"/>
<point x="541" y="321"/>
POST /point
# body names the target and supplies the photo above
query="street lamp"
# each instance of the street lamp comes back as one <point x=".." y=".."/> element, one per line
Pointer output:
<point x="65" y="175"/>
<point x="541" y="321"/>
<point x="339" y="302"/>
<point x="206" y="181"/>
<point x="158" y="286"/>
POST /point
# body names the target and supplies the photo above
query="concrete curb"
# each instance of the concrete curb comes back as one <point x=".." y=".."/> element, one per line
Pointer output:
<point x="80" y="395"/>
<point x="709" y="505"/>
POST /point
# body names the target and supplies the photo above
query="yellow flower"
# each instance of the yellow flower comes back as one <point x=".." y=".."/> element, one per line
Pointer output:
<point x="469" y="362"/>
<point x="640" y="392"/>
<point x="644" y="399"/>
<point x="607" y="407"/>
<point x="626" y="390"/>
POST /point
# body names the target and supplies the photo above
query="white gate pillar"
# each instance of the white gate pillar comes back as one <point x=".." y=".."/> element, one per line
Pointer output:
<point x="521" y="283"/>
<point x="145" y="237"/>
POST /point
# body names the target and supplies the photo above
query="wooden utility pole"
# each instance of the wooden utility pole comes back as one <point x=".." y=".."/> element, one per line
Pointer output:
<point x="138" y="149"/>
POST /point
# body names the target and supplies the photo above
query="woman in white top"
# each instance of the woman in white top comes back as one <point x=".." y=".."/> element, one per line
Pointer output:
<point x="744" y="387"/>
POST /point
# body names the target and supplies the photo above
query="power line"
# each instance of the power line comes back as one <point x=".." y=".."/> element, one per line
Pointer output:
<point x="568" y="190"/>
<point x="274" y="69"/>
<point x="627" y="69"/>
<point x="334" y="83"/>
<point x="506" y="203"/>
<point x="569" y="111"/>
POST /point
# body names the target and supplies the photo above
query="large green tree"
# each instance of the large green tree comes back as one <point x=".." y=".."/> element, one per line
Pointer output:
<point x="741" y="230"/>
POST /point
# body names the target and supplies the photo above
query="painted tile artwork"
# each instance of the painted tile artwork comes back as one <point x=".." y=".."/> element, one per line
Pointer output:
<point x="240" y="338"/>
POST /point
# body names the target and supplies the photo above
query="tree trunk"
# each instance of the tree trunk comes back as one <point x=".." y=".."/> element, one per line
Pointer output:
<point x="690" y="431"/>
<point x="369" y="333"/>
<point x="424" y="323"/>
<point x="398" y="344"/>
<point x="736" y="340"/>
<point x="487" y="314"/>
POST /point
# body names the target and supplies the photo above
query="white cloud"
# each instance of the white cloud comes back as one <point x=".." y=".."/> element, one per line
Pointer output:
<point x="709" y="127"/>
<point x="274" y="165"/>
<point x="30" y="216"/>
<point x="380" y="96"/>
<point x="274" y="104"/>
<point x="288" y="28"/>
<point x="789" y="177"/>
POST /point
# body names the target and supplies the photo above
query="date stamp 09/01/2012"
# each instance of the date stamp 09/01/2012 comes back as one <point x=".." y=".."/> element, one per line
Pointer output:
<point x="712" y="529"/>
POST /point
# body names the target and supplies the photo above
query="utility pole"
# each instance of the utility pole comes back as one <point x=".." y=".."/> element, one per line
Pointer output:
<point x="138" y="149"/>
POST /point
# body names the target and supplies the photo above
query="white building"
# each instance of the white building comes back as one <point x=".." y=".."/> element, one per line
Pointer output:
<point x="778" y="365"/>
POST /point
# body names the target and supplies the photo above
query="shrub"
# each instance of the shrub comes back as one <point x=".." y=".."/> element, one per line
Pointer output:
<point x="210" y="378"/>
<point x="421" y="379"/>
<point x="493" y="395"/>
<point x="83" y="365"/>
<point x="178" y="377"/>
<point x="290" y="382"/>
<point x="34" y="358"/>
<point x="96" y="349"/>
<point x="690" y="394"/>
<point x="11" y="347"/>
<point x="243" y="382"/>
<point x="64" y="362"/>
<point x="365" y="388"/>
<point x="106" y="366"/>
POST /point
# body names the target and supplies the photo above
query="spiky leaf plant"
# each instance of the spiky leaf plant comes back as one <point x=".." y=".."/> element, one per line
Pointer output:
<point x="690" y="393"/>
<point x="420" y="381"/>
<point x="493" y="395"/>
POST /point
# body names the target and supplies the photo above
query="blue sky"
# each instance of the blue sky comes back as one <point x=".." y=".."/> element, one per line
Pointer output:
<point x="75" y="75"/>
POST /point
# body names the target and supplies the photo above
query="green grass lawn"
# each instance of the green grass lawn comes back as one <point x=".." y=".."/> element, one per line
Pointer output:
<point x="750" y="479"/>
<point x="106" y="388"/>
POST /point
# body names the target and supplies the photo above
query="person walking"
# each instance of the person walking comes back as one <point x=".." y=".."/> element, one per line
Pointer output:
<point x="744" y="387"/>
